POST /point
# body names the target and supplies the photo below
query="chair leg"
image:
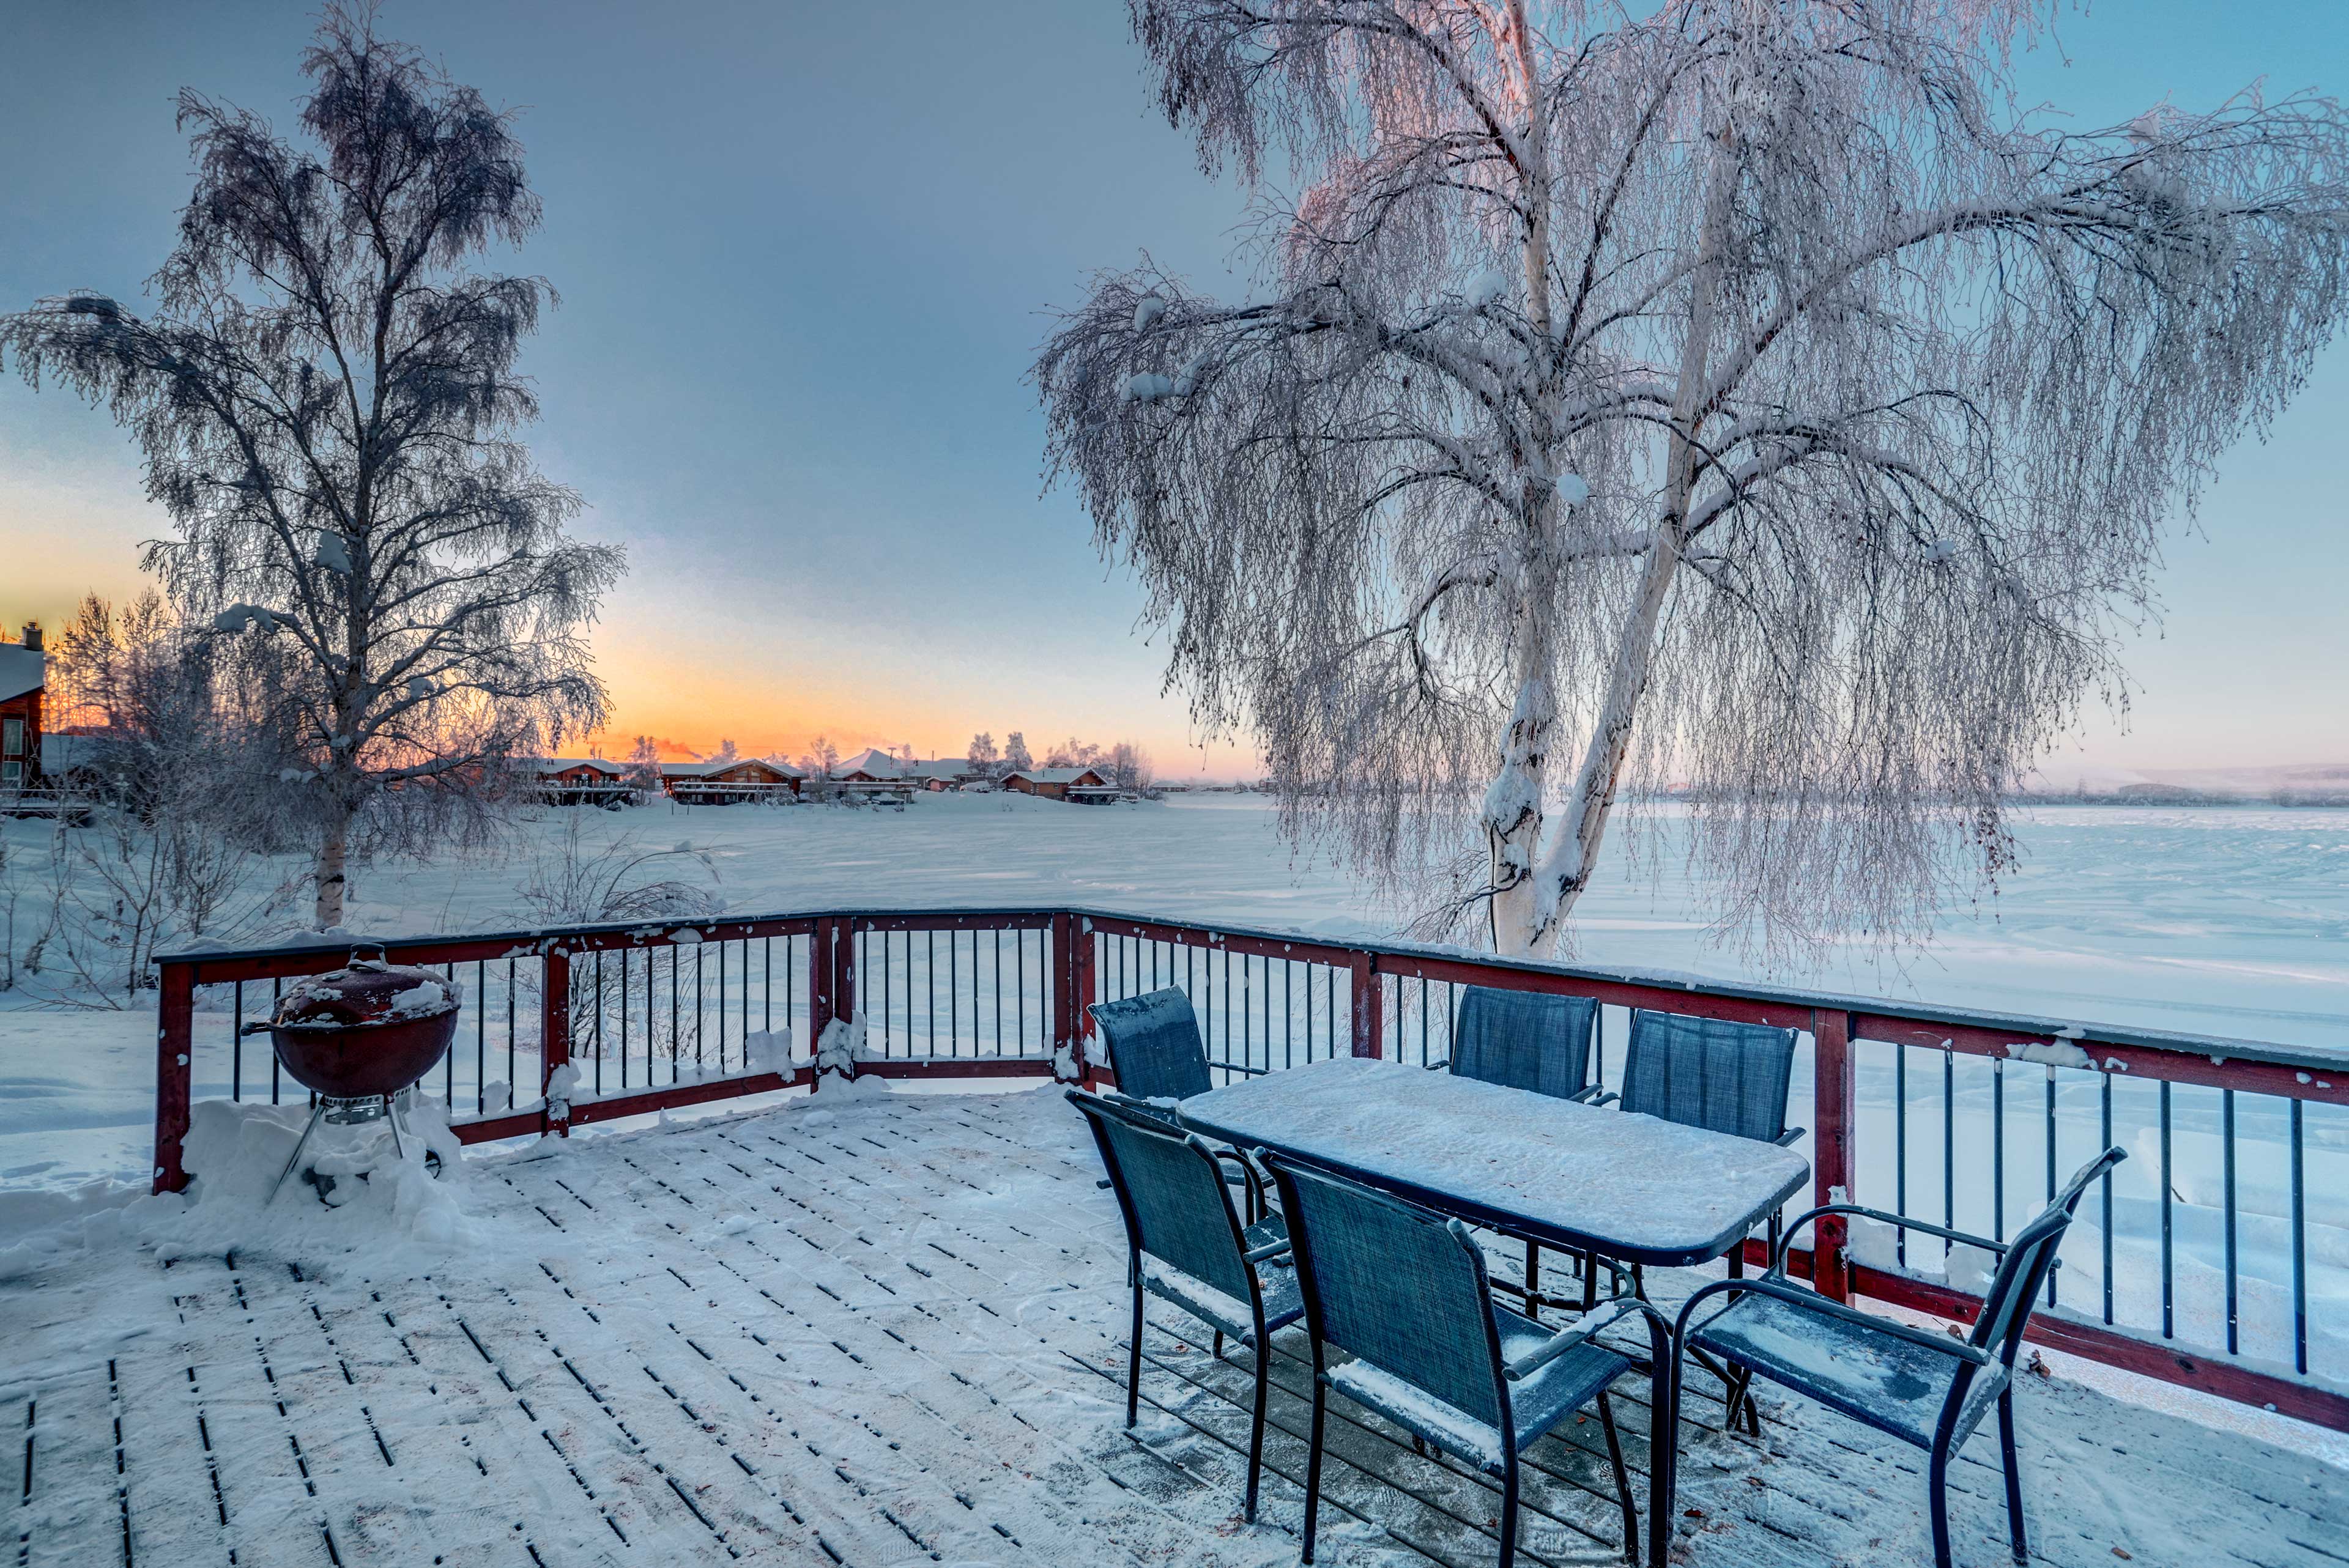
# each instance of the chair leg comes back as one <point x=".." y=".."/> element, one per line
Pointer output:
<point x="1133" y="1380"/>
<point x="2013" y="1476"/>
<point x="1622" y="1481"/>
<point x="1533" y="1278"/>
<point x="1509" y="1513"/>
<point x="1255" y="1429"/>
<point x="1220" y="1345"/>
<point x="1937" y="1483"/>
<point x="1313" y="1465"/>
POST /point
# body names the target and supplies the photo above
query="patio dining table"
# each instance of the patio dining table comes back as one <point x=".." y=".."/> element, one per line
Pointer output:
<point x="1630" y="1187"/>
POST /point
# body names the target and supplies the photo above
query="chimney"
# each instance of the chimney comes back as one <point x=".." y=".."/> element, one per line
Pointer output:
<point x="32" y="636"/>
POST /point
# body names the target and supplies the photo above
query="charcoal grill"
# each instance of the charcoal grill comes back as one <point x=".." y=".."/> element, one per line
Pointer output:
<point x="359" y="1038"/>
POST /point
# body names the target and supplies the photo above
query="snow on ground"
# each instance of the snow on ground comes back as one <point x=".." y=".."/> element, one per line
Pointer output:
<point x="874" y="1328"/>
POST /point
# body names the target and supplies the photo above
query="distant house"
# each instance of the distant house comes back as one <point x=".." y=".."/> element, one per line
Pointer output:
<point x="945" y="773"/>
<point x="581" y="781"/>
<point x="871" y="766"/>
<point x="24" y="673"/>
<point x="727" y="783"/>
<point x="1083" y="786"/>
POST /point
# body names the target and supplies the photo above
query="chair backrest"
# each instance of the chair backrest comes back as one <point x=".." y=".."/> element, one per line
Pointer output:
<point x="1154" y="1045"/>
<point x="1396" y="1285"/>
<point x="1711" y="1073"/>
<point x="2014" y="1288"/>
<point x="1172" y="1192"/>
<point x="1523" y="1039"/>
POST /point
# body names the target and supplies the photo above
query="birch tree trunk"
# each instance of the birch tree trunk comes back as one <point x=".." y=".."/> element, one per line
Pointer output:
<point x="1566" y="868"/>
<point x="334" y="847"/>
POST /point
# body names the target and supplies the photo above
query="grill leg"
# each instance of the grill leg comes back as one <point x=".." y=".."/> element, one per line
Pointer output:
<point x="398" y="1144"/>
<point x="299" y="1144"/>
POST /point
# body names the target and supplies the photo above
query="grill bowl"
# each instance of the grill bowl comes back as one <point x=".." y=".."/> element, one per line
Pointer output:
<point x="359" y="1031"/>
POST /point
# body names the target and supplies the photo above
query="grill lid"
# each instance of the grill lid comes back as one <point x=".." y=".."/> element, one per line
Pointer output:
<point x="367" y="992"/>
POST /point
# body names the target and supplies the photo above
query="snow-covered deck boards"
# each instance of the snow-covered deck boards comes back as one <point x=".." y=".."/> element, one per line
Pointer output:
<point x="887" y="1330"/>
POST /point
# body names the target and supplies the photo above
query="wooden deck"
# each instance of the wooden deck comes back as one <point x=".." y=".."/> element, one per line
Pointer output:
<point x="889" y="1330"/>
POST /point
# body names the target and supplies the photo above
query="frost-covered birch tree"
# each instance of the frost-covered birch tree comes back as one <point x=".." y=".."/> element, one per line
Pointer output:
<point x="327" y="402"/>
<point x="1739" y="396"/>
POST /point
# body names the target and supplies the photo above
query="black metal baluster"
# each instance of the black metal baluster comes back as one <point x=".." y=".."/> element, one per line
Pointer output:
<point x="2299" y="1250"/>
<point x="1019" y="947"/>
<point x="2106" y="1129"/>
<point x="997" y="944"/>
<point x="1997" y="1149"/>
<point x="449" y="1057"/>
<point x="513" y="1071"/>
<point x="236" y="1048"/>
<point x="1900" y="1151"/>
<point x="599" y="1020"/>
<point x="2168" y="1299"/>
<point x="930" y="991"/>
<point x="481" y="1035"/>
<point x="676" y="1035"/>
<point x="276" y="992"/>
<point x="2227" y="1155"/>
<point x="624" y="1017"/>
<point x="2051" y="1164"/>
<point x="1949" y="1143"/>
<point x="698" y="1011"/>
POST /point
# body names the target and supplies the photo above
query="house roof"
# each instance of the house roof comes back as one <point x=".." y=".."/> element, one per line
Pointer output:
<point x="711" y="769"/>
<point x="872" y="760"/>
<point x="1058" y="775"/>
<point x="565" y="765"/>
<point x="21" y="669"/>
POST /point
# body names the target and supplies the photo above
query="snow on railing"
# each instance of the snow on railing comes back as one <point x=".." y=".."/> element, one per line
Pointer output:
<point x="2217" y="1257"/>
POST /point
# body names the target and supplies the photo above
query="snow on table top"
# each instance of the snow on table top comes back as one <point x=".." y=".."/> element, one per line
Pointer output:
<point x="1645" y="1185"/>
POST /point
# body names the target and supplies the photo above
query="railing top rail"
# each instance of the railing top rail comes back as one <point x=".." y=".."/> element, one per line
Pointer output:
<point x="1924" y="1015"/>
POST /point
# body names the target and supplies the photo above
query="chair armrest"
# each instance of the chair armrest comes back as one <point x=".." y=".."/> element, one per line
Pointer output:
<point x="1590" y="1094"/>
<point x="1269" y="1250"/>
<point x="1605" y="1096"/>
<point x="1250" y="1177"/>
<point x="1792" y="1136"/>
<point x="1811" y="1301"/>
<point x="1565" y="1339"/>
<point x="1437" y="1066"/>
<point x="1778" y="1264"/>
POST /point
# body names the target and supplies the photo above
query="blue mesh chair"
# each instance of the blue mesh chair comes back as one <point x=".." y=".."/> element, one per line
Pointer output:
<point x="1533" y="1041"/>
<point x="1922" y="1387"/>
<point x="1155" y="1051"/>
<point x="1154" y="1045"/>
<point x="1186" y="1245"/>
<point x="1711" y="1073"/>
<point x="1722" y="1076"/>
<point x="1404" y="1293"/>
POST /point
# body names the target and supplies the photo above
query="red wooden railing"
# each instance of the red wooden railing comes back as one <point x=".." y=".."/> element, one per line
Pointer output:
<point x="1364" y="991"/>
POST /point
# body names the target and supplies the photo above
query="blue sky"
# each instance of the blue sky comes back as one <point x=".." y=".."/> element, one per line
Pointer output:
<point x="805" y="252"/>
